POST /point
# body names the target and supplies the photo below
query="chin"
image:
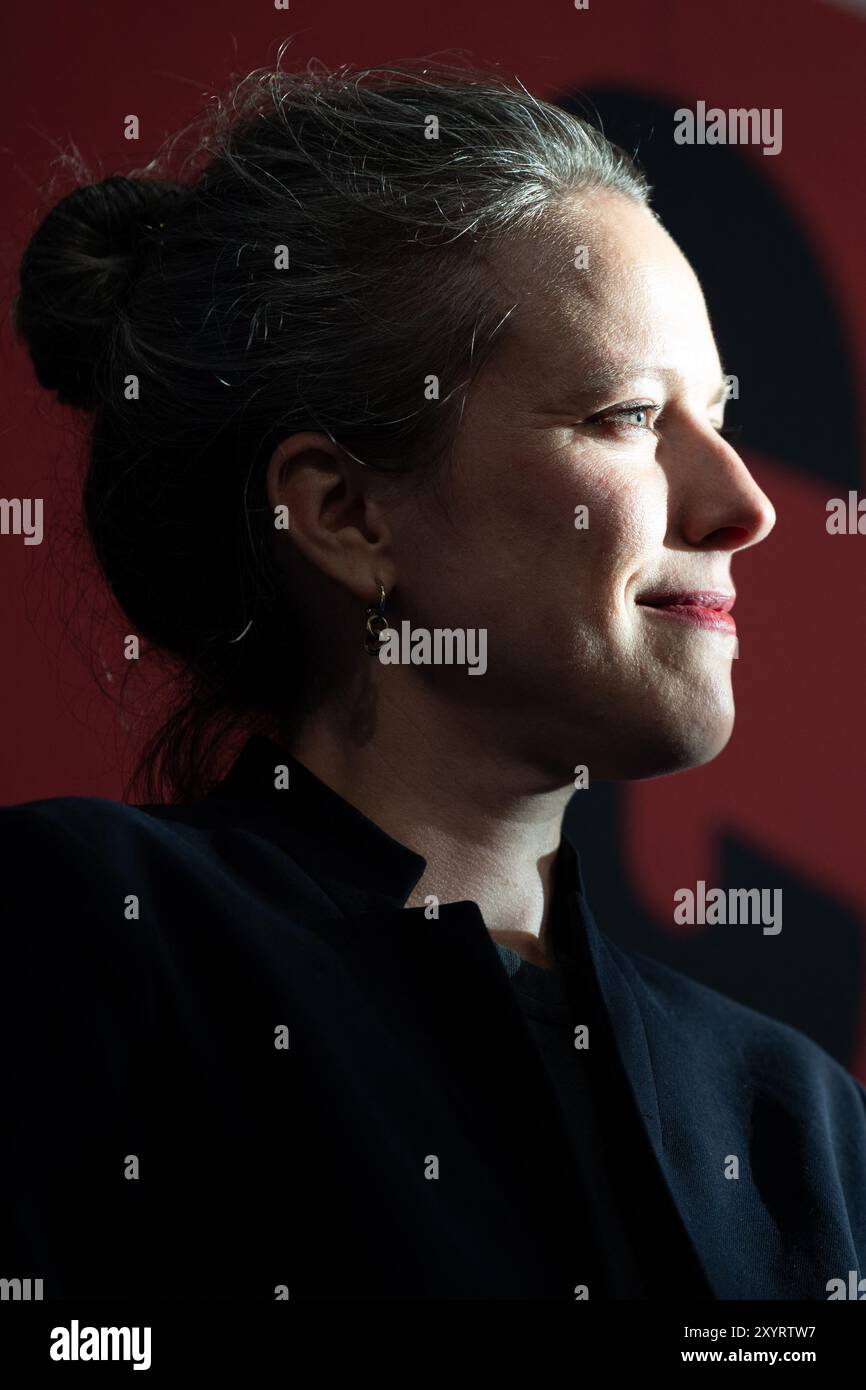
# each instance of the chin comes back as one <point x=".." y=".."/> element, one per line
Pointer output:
<point x="687" y="745"/>
<point x="665" y="740"/>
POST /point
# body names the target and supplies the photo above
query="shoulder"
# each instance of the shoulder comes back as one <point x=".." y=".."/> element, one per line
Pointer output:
<point x="91" y="843"/>
<point x="110" y="910"/>
<point x="715" y="1036"/>
<point x="79" y="824"/>
<point x="75" y="966"/>
<point x="183" y="862"/>
<point x="94" y="833"/>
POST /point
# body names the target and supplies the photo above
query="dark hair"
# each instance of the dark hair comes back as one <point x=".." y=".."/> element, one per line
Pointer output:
<point x="162" y="305"/>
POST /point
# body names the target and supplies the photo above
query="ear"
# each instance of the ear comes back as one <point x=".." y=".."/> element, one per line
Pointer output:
<point x="333" y="518"/>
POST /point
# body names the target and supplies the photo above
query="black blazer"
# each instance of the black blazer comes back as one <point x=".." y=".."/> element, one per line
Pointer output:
<point x="235" y="1065"/>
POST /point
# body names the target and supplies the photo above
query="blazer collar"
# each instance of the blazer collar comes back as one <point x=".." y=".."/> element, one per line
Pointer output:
<point x="358" y="864"/>
<point x="363" y="870"/>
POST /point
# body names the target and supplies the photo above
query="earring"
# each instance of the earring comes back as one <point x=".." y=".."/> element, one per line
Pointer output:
<point x="376" y="622"/>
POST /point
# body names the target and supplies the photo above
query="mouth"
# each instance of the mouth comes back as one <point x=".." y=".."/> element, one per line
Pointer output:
<point x="704" y="608"/>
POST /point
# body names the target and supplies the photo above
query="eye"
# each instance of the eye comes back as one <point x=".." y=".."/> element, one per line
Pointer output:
<point x="643" y="416"/>
<point x="634" y="415"/>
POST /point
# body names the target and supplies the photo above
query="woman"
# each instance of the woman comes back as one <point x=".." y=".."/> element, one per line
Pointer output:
<point x="407" y="446"/>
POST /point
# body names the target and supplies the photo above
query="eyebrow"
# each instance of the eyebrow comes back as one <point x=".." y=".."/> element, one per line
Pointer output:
<point x="604" y="379"/>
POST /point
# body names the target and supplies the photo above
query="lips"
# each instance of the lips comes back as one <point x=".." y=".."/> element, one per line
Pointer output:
<point x="707" y="608"/>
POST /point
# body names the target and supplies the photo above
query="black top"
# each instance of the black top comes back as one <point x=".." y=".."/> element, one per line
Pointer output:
<point x="234" y="1064"/>
<point x="557" y="1005"/>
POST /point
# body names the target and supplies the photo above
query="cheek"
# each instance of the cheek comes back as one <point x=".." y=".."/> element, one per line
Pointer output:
<point x="591" y="526"/>
<point x="516" y="548"/>
<point x="626" y="524"/>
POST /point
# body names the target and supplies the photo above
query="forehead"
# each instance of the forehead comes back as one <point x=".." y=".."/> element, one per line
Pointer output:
<point x="599" y="282"/>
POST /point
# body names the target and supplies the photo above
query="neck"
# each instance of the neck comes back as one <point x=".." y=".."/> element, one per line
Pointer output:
<point x="486" y="823"/>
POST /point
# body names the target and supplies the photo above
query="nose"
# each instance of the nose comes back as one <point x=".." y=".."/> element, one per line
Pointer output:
<point x="715" y="503"/>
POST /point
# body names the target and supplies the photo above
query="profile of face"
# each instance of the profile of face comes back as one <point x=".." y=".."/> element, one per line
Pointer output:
<point x="605" y="394"/>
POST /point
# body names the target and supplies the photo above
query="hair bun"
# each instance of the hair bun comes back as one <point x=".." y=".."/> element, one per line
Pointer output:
<point x="76" y="273"/>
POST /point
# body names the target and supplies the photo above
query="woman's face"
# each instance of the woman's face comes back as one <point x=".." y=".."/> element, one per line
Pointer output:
<point x="606" y="393"/>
